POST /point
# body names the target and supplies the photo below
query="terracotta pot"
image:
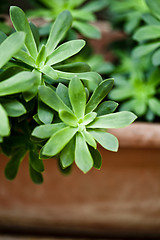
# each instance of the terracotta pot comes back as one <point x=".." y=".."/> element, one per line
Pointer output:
<point x="122" y="199"/>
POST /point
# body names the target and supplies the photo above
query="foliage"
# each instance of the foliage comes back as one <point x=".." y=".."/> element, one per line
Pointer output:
<point x="137" y="87"/>
<point x="128" y="12"/>
<point x="82" y="12"/>
<point x="148" y="36"/>
<point x="45" y="117"/>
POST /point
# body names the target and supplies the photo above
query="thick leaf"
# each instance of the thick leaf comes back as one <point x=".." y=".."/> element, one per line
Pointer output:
<point x="24" y="57"/>
<point x="89" y="118"/>
<point x="14" y="108"/>
<point x="41" y="58"/>
<point x="58" y="141"/>
<point x="156" y="58"/>
<point x="95" y="6"/>
<point x="4" y="122"/>
<point x="107" y="140"/>
<point x="140" y="107"/>
<point x="65" y="171"/>
<point x="18" y="83"/>
<point x="87" y="30"/>
<point x="68" y="118"/>
<point x="99" y="94"/>
<point x="97" y="159"/>
<point x="49" y="97"/>
<point x="35" y="176"/>
<point x="77" y="97"/>
<point x="113" y="120"/>
<point x="65" y="51"/>
<point x="20" y="23"/>
<point x="62" y="92"/>
<point x="35" y="32"/>
<point x="154" y="105"/>
<point x="73" y="67"/>
<point x="32" y="92"/>
<point x="145" y="49"/>
<point x="79" y="14"/>
<point x="83" y="158"/>
<point x="89" y="139"/>
<point x="93" y="77"/>
<point x="59" y="28"/>
<point x="106" y="107"/>
<point x="10" y="46"/>
<point x="35" y="162"/>
<point x="3" y="36"/>
<point x="12" y="166"/>
<point x="50" y="72"/>
<point x="45" y="114"/>
<point x="47" y="130"/>
<point x="154" y="7"/>
<point x="120" y="93"/>
<point x="147" y="32"/>
<point x="150" y="19"/>
<point x="67" y="154"/>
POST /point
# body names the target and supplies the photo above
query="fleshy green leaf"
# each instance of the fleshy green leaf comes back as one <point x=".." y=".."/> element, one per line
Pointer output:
<point x="106" y="107"/>
<point x="99" y="94"/>
<point x="3" y="36"/>
<point x="49" y="97"/>
<point x="50" y="72"/>
<point x="147" y="32"/>
<point x="145" y="49"/>
<point x="18" y="83"/>
<point x="154" y="105"/>
<point x="77" y="97"/>
<point x="95" y="6"/>
<point x="65" y="51"/>
<point x="62" y="92"/>
<point x="41" y="58"/>
<point x="113" y="120"/>
<point x="154" y="7"/>
<point x="59" y="28"/>
<point x="87" y="30"/>
<point x="45" y="114"/>
<point x="14" y="108"/>
<point x="97" y="159"/>
<point x="83" y="158"/>
<point x="32" y="92"/>
<point x="10" y="46"/>
<point x="67" y="154"/>
<point x="35" y="162"/>
<point x="35" y="176"/>
<point x="79" y="67"/>
<point x="89" y="139"/>
<point x="24" y="57"/>
<point x="35" y="32"/>
<point x="47" y="130"/>
<point x="107" y="140"/>
<point x="68" y="118"/>
<point x="156" y="58"/>
<point x="4" y="122"/>
<point x="92" y="77"/>
<point x="89" y="118"/>
<point x="12" y="166"/>
<point x="20" y="23"/>
<point x="58" y="141"/>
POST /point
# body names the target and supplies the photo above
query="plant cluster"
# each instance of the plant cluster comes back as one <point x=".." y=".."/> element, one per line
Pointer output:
<point x="50" y="108"/>
<point x="83" y="13"/>
<point x="137" y="78"/>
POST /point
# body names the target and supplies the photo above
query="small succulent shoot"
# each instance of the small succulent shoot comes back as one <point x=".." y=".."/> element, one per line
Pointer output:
<point x="83" y="14"/>
<point x="81" y="124"/>
<point x="45" y="58"/>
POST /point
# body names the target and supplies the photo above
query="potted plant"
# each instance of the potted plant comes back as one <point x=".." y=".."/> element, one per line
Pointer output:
<point x="65" y="113"/>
